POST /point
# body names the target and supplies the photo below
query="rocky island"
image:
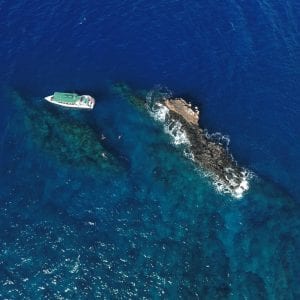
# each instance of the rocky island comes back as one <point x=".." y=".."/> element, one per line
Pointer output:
<point x="181" y="121"/>
<point x="212" y="156"/>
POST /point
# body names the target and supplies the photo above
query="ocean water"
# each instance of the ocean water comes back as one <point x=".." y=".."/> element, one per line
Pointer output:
<point x="142" y="222"/>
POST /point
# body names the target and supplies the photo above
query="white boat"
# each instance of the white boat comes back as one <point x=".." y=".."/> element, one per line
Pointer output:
<point x="72" y="100"/>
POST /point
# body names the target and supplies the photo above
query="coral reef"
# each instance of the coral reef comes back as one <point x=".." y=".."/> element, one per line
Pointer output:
<point x="70" y="140"/>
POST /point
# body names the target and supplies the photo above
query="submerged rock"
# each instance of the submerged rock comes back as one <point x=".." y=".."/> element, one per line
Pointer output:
<point x="65" y="137"/>
<point x="181" y="121"/>
<point x="136" y="98"/>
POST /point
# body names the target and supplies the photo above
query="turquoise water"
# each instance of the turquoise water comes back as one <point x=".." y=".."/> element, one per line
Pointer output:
<point x="102" y="204"/>
<point x="155" y="228"/>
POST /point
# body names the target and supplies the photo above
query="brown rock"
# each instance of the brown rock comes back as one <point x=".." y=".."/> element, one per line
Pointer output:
<point x="181" y="107"/>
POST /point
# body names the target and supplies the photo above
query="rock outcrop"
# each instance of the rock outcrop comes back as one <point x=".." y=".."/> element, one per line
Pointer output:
<point x="212" y="156"/>
<point x="181" y="119"/>
<point x="180" y="107"/>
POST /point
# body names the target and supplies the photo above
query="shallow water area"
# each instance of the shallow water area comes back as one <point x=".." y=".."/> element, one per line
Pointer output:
<point x="156" y="228"/>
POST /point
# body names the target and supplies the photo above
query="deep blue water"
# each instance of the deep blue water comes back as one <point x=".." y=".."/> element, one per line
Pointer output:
<point x="153" y="226"/>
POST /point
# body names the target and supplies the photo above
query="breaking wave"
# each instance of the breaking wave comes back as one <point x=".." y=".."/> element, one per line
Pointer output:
<point x="178" y="134"/>
<point x="237" y="187"/>
<point x="174" y="128"/>
<point x="159" y="112"/>
<point x="234" y="188"/>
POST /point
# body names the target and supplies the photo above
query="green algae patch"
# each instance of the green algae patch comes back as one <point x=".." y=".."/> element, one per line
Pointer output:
<point x="65" y="137"/>
<point x="136" y="98"/>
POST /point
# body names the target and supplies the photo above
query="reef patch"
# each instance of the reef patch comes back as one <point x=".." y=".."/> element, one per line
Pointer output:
<point x="67" y="138"/>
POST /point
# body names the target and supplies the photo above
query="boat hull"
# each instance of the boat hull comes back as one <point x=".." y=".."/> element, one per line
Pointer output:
<point x="73" y="105"/>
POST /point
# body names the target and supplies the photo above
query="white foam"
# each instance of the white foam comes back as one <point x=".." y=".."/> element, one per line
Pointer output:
<point x="174" y="128"/>
<point x="236" y="188"/>
<point x="179" y="137"/>
<point x="236" y="185"/>
<point x="188" y="154"/>
<point x="159" y="112"/>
